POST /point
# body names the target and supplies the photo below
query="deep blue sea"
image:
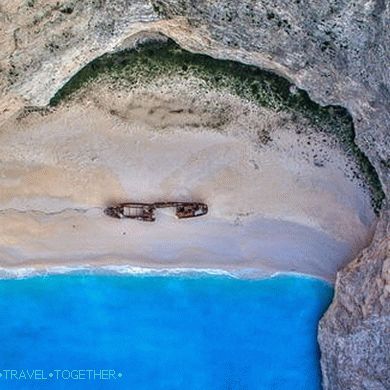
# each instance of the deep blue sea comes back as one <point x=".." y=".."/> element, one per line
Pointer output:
<point x="146" y="332"/>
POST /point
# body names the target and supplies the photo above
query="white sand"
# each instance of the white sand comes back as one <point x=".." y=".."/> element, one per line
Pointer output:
<point x="270" y="208"/>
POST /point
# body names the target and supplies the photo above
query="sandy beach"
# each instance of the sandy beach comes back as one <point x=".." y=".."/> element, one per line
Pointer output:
<point x="281" y="206"/>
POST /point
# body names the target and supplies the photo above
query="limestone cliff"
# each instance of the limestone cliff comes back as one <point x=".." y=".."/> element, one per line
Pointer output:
<point x="338" y="51"/>
<point x="354" y="333"/>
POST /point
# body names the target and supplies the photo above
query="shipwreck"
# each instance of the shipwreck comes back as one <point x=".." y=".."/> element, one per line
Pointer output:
<point x="146" y="211"/>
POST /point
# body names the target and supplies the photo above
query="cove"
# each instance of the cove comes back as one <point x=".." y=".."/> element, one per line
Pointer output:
<point x="162" y="332"/>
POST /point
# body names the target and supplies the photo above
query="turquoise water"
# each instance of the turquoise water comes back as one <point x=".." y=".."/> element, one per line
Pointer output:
<point x="161" y="332"/>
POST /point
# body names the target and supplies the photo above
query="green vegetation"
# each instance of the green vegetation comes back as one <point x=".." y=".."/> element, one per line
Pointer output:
<point x="154" y="60"/>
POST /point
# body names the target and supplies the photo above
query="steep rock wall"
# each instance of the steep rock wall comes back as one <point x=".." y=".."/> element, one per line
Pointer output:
<point x="354" y="333"/>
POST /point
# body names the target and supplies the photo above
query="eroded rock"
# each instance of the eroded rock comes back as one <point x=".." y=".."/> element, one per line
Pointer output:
<point x="354" y="333"/>
<point x="336" y="50"/>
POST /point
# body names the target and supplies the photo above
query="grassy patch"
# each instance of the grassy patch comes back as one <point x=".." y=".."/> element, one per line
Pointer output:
<point x="153" y="60"/>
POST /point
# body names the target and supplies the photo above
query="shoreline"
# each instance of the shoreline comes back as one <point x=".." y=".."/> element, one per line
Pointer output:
<point x="18" y="273"/>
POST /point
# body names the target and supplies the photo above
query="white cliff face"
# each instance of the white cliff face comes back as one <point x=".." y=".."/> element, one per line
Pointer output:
<point x="337" y="51"/>
<point x="353" y="334"/>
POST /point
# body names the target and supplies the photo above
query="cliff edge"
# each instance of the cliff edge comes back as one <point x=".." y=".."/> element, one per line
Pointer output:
<point x="338" y="51"/>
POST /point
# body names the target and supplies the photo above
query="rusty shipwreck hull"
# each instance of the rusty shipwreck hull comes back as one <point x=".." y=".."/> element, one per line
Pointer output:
<point x="146" y="211"/>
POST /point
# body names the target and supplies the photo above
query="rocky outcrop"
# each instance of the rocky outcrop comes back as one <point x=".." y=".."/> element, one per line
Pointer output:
<point x="354" y="333"/>
<point x="338" y="51"/>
